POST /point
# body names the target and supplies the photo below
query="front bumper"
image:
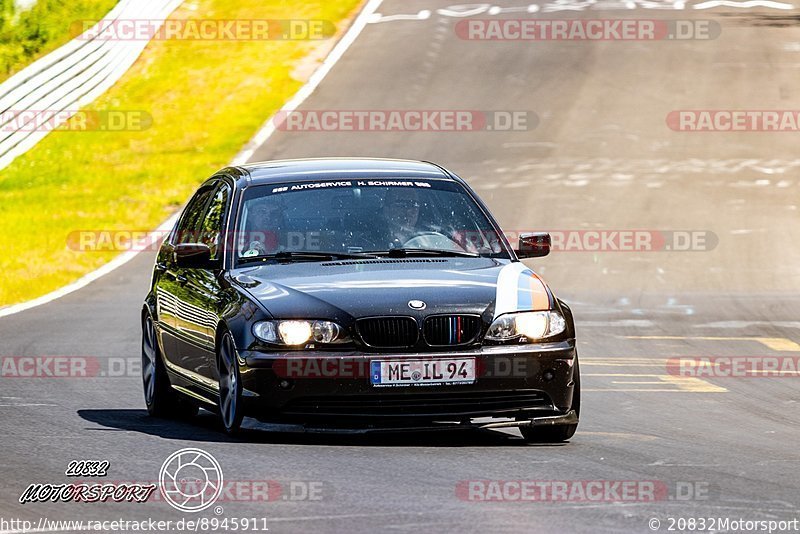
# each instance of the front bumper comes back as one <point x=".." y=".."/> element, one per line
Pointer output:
<point x="517" y="385"/>
<point x="568" y="418"/>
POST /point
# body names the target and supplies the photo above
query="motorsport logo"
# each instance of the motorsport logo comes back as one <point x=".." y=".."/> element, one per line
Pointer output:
<point x="587" y="30"/>
<point x="405" y="120"/>
<point x="190" y="464"/>
<point x="87" y="492"/>
<point x="190" y="480"/>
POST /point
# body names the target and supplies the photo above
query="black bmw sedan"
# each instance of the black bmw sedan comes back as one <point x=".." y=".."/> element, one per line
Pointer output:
<point x="355" y="293"/>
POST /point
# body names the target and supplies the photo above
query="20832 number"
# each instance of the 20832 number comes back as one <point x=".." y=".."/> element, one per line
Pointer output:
<point x="87" y="468"/>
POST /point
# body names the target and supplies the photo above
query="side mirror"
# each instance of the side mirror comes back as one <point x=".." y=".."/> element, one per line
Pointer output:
<point x="192" y="256"/>
<point x="533" y="245"/>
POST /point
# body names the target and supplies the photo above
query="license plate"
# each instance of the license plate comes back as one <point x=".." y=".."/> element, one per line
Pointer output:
<point x="422" y="372"/>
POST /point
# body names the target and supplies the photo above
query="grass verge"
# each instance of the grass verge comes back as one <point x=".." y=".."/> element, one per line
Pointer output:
<point x="28" y="33"/>
<point x="206" y="99"/>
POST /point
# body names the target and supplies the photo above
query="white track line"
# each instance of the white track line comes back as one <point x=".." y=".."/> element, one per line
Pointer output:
<point x="87" y="279"/>
<point x="261" y="136"/>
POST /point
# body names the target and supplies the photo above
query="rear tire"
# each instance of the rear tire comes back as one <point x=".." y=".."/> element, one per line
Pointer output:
<point x="159" y="397"/>
<point x="231" y="410"/>
<point x="557" y="433"/>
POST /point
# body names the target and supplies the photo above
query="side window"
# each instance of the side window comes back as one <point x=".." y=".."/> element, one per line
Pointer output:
<point x="211" y="225"/>
<point x="187" y="228"/>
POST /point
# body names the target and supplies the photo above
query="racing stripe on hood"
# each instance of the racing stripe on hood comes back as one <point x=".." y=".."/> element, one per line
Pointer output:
<point x="519" y="289"/>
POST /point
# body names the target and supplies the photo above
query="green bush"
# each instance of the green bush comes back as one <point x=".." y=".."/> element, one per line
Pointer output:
<point x="28" y="33"/>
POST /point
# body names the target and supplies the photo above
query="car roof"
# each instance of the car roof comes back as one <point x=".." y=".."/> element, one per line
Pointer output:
<point x="268" y="172"/>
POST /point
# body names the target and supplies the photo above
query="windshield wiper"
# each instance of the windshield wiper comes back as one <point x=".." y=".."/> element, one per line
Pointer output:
<point x="287" y="256"/>
<point x="404" y="252"/>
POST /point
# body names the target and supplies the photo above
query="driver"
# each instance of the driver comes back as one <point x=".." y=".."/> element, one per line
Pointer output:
<point x="401" y="211"/>
<point x="265" y="221"/>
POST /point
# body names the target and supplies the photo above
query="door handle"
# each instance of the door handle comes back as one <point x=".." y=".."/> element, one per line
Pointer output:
<point x="181" y="279"/>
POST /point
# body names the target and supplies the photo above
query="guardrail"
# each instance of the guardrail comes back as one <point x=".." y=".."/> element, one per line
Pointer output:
<point x="50" y="90"/>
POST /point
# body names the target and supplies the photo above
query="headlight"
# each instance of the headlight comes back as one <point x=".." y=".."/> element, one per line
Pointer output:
<point x="294" y="332"/>
<point x="299" y="332"/>
<point x="530" y="325"/>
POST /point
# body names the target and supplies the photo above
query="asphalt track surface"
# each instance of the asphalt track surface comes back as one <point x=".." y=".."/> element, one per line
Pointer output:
<point x="601" y="157"/>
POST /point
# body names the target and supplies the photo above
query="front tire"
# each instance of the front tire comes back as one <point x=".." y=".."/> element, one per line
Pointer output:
<point x="557" y="433"/>
<point x="159" y="397"/>
<point x="231" y="410"/>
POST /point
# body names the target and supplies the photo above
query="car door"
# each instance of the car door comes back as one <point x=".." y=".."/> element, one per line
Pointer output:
<point x="172" y="295"/>
<point x="198" y="352"/>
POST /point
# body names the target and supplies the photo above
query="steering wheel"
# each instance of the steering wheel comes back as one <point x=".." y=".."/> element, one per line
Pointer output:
<point x="433" y="240"/>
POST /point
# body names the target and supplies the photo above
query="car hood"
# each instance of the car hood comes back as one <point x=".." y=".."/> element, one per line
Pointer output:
<point x="348" y="289"/>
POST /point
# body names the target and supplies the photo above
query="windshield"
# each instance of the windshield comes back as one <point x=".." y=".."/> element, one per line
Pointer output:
<point x="355" y="216"/>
